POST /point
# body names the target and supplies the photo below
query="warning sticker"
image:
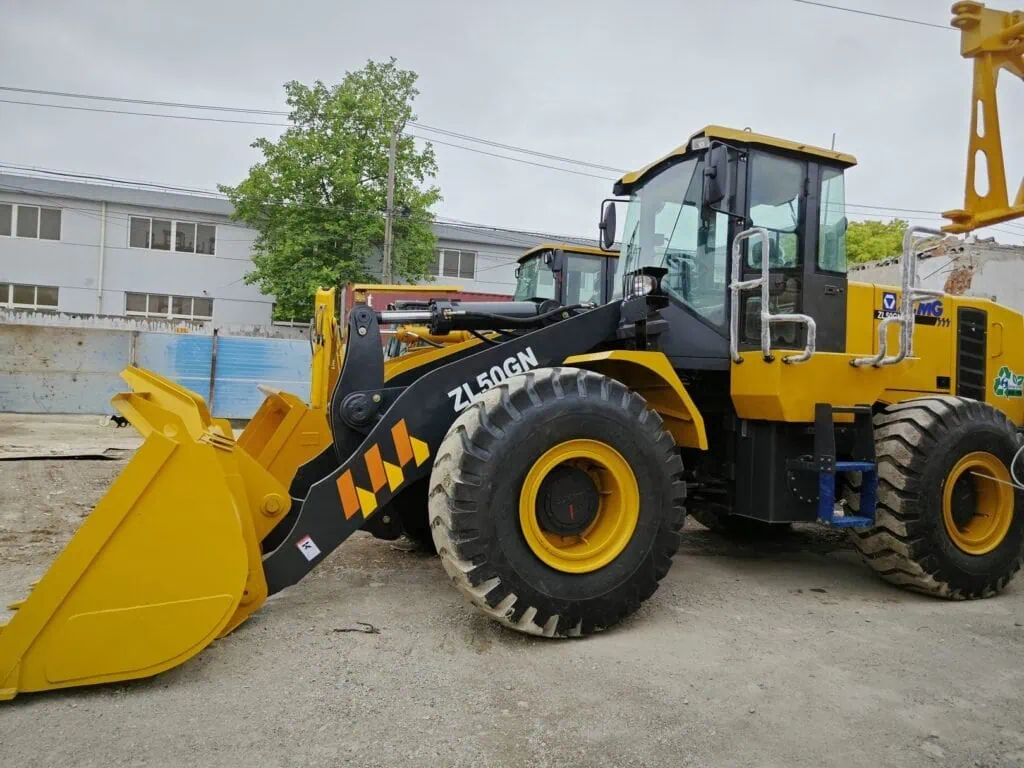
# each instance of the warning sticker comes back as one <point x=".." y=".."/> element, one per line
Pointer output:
<point x="308" y="548"/>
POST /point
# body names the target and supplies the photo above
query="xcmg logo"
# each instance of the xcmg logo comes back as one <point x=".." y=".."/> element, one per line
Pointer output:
<point x="925" y="313"/>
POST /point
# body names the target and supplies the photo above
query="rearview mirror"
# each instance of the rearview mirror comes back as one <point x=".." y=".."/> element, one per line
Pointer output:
<point x="607" y="225"/>
<point x="555" y="260"/>
<point x="716" y="171"/>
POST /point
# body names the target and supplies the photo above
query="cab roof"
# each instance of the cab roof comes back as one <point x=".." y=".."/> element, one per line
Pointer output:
<point x="623" y="185"/>
<point x="570" y="248"/>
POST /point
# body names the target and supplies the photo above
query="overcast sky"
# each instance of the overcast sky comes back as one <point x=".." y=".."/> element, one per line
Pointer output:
<point x="613" y="83"/>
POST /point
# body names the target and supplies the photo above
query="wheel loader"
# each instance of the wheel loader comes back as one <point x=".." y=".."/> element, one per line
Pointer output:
<point x="736" y="371"/>
<point x="562" y="272"/>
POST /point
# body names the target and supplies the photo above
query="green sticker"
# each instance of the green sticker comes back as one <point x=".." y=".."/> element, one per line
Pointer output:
<point x="1008" y="383"/>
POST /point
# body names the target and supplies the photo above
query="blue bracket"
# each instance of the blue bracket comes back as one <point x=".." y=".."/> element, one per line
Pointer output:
<point x="868" y="495"/>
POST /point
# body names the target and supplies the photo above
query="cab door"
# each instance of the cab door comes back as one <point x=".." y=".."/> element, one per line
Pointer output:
<point x="776" y="201"/>
<point x="825" y="289"/>
<point x="582" y="279"/>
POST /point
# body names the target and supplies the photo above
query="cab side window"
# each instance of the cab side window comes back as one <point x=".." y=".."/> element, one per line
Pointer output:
<point x="832" y="222"/>
<point x="583" y="279"/>
<point x="776" y="203"/>
<point x="776" y="186"/>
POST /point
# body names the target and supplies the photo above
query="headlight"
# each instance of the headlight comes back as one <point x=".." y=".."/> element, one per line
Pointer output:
<point x="643" y="285"/>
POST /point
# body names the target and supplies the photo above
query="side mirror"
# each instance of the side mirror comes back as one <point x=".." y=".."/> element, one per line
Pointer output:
<point x="842" y="225"/>
<point x="716" y="174"/>
<point x="519" y="271"/>
<point x="607" y="225"/>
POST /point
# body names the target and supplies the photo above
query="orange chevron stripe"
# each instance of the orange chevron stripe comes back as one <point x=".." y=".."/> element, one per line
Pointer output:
<point x="378" y="478"/>
<point x="347" y="492"/>
<point x="403" y="447"/>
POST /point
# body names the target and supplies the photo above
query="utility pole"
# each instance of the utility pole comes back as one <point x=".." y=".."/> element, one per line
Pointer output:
<point x="390" y="212"/>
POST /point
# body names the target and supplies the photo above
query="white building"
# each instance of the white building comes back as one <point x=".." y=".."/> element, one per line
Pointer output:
<point x="114" y="249"/>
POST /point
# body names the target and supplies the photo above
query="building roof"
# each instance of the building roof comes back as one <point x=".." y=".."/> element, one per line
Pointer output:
<point x="512" y="238"/>
<point x="218" y="205"/>
<point x="123" y="194"/>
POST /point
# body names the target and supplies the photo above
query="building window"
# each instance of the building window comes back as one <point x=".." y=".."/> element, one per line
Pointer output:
<point x="171" y="307"/>
<point x="138" y="232"/>
<point x="15" y="296"/>
<point x="160" y="234"/>
<point x="161" y="240"/>
<point x="29" y="221"/>
<point x="454" y="263"/>
<point x="185" y="237"/>
<point x="49" y="224"/>
<point x="206" y="238"/>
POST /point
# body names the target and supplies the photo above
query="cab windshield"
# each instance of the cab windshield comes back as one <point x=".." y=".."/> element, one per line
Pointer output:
<point x="665" y="227"/>
<point x="535" y="281"/>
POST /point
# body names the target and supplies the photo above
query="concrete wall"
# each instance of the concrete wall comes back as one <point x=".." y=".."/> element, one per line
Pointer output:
<point x="75" y="369"/>
<point x="975" y="269"/>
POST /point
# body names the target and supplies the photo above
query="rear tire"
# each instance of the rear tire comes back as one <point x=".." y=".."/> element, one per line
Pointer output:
<point x="914" y="543"/>
<point x="476" y="509"/>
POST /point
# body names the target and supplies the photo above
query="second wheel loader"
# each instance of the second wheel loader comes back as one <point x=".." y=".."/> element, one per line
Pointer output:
<point x="562" y="272"/>
<point x="735" y="365"/>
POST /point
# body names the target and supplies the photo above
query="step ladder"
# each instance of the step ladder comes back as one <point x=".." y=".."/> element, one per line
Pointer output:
<point x="826" y="466"/>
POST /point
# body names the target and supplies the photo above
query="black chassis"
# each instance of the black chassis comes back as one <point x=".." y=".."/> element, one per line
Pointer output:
<point x="363" y="411"/>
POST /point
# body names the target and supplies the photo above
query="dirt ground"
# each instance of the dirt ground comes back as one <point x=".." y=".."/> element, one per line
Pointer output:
<point x="788" y="655"/>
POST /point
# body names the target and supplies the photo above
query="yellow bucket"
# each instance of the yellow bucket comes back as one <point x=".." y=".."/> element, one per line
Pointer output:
<point x="284" y="434"/>
<point x="168" y="560"/>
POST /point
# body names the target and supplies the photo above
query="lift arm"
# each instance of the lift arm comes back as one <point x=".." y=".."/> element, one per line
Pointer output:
<point x="995" y="40"/>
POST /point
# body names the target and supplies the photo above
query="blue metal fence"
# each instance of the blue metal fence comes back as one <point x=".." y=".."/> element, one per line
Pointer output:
<point x="244" y="362"/>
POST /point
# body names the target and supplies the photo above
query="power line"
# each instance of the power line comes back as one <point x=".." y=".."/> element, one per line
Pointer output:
<point x="876" y="15"/>
<point x="513" y="159"/>
<point x="282" y="113"/>
<point x="113" y="180"/>
<point x="514" y="148"/>
<point x="79" y="108"/>
<point x="101" y="110"/>
<point x="146" y="102"/>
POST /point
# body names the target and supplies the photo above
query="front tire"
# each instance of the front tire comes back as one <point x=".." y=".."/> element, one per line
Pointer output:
<point x="942" y="526"/>
<point x="532" y="458"/>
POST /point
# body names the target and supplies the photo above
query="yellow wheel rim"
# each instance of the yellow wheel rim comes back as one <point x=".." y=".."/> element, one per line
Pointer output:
<point x="977" y="503"/>
<point x="614" y="522"/>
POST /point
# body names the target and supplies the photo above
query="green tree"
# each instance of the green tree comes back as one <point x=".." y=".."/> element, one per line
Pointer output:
<point x="870" y="240"/>
<point x="318" y="197"/>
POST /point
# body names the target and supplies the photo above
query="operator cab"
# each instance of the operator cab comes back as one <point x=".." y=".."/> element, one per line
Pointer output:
<point x="569" y="274"/>
<point x="684" y="211"/>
